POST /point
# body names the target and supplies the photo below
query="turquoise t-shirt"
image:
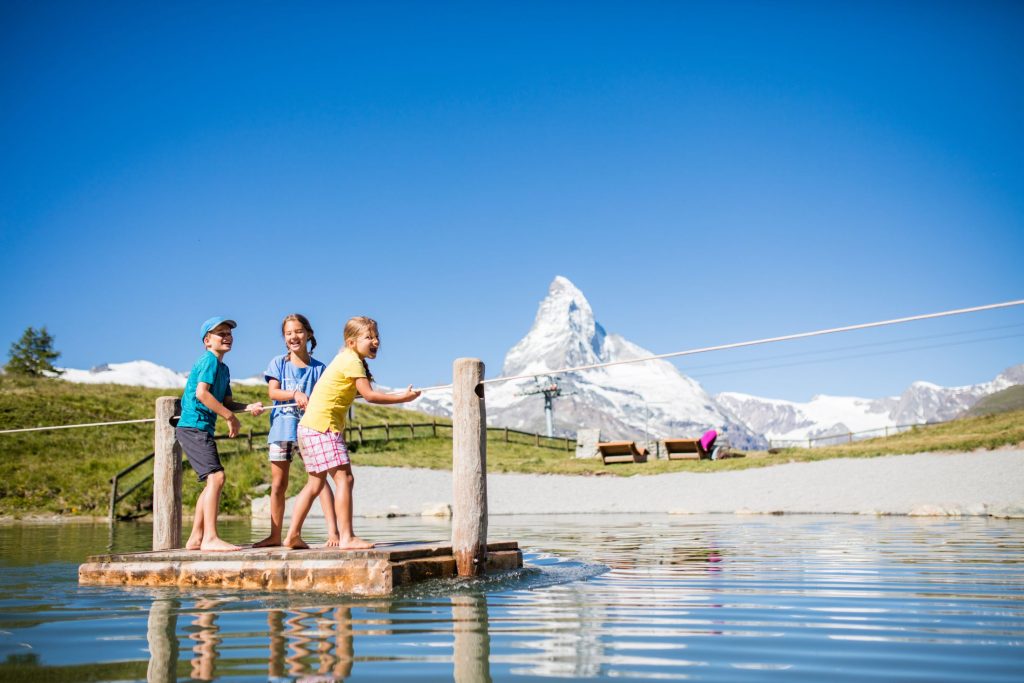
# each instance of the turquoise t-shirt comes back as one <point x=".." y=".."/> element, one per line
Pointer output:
<point x="211" y="371"/>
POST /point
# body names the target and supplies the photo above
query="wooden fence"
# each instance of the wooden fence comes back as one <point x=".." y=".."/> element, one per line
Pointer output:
<point x="847" y="437"/>
<point x="358" y="434"/>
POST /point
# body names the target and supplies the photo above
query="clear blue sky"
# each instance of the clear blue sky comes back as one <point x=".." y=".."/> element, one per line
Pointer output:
<point x="704" y="172"/>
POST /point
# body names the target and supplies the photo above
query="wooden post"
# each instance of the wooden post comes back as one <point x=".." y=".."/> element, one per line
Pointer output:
<point x="250" y="439"/>
<point x="387" y="432"/>
<point x="469" y="468"/>
<point x="412" y="430"/>
<point x="506" y="434"/>
<point x="166" y="478"/>
<point x="434" y="423"/>
<point x="536" y="439"/>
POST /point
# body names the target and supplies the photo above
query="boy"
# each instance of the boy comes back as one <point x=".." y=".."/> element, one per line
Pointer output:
<point x="207" y="395"/>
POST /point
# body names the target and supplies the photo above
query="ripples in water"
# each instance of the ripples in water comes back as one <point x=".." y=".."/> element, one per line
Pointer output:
<point x="709" y="598"/>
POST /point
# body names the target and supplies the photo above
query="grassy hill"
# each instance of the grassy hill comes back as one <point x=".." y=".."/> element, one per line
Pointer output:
<point x="67" y="472"/>
<point x="1004" y="401"/>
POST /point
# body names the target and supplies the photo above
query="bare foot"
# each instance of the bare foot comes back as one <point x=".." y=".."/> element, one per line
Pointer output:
<point x="218" y="545"/>
<point x="295" y="543"/>
<point x="194" y="543"/>
<point x="268" y="542"/>
<point x="354" y="543"/>
<point x="332" y="542"/>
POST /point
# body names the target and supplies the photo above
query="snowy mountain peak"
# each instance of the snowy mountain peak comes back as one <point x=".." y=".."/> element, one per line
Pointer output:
<point x="650" y="399"/>
<point x="564" y="334"/>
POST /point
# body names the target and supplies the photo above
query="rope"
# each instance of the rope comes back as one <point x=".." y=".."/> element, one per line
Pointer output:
<point x="117" y="422"/>
<point x="736" y="345"/>
<point x="594" y="366"/>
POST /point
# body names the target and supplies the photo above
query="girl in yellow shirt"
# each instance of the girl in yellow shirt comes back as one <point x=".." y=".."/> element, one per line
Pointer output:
<point x="322" y="430"/>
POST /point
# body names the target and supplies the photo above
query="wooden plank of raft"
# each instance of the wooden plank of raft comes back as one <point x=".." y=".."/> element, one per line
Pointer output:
<point x="376" y="571"/>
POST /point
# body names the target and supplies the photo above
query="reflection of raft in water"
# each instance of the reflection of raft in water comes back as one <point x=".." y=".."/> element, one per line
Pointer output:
<point x="377" y="571"/>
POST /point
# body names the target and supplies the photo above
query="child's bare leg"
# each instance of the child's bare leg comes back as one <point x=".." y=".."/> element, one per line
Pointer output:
<point x="211" y="541"/>
<point x="303" y="502"/>
<point x="195" y="539"/>
<point x="330" y="518"/>
<point x="278" y="496"/>
<point x="344" y="483"/>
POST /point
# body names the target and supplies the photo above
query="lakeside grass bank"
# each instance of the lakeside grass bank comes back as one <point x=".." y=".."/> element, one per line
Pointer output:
<point x="67" y="472"/>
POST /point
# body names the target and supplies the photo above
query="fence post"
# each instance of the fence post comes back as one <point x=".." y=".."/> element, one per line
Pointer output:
<point x="506" y="434"/>
<point x="536" y="439"/>
<point x="469" y="467"/>
<point x="249" y="440"/>
<point x="360" y="435"/>
<point x="851" y="437"/>
<point x="808" y="443"/>
<point x="166" y="478"/>
<point x="434" y="423"/>
<point x="387" y="432"/>
<point x="412" y="430"/>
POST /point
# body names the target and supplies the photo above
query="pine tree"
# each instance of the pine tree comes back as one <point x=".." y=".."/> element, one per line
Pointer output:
<point x="33" y="354"/>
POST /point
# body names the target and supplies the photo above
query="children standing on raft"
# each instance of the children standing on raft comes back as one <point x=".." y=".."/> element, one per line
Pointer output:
<point x="321" y="430"/>
<point x="290" y="378"/>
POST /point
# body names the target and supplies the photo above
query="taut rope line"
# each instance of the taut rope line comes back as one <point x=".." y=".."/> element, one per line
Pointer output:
<point x="736" y="345"/>
<point x="118" y="422"/>
<point x="661" y="356"/>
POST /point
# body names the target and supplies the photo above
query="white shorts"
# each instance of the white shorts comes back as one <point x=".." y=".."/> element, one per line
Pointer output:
<point x="283" y="451"/>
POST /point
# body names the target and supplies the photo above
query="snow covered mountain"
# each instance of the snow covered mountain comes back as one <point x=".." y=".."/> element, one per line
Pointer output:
<point x="634" y="401"/>
<point x="137" y="373"/>
<point x="922" y="402"/>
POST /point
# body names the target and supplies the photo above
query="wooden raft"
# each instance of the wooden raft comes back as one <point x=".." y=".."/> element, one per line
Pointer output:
<point x="377" y="571"/>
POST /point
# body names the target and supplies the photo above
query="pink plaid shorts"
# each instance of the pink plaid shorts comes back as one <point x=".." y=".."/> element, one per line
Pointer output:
<point x="322" y="451"/>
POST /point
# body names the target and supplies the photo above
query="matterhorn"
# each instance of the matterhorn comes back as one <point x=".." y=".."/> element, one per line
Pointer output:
<point x="645" y="400"/>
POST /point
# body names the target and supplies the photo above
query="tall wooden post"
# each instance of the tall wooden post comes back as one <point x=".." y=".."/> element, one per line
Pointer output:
<point x="166" y="478"/>
<point x="469" y="467"/>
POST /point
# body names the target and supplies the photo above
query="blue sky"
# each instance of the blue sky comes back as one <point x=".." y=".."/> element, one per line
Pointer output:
<point x="705" y="173"/>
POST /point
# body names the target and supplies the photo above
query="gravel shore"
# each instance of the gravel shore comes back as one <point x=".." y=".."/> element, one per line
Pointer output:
<point x="980" y="483"/>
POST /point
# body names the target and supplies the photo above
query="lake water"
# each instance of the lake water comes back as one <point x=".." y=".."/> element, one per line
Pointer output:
<point x="703" y="598"/>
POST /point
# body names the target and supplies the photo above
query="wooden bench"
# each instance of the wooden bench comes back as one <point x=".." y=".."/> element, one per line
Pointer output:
<point x="621" y="451"/>
<point x="684" y="449"/>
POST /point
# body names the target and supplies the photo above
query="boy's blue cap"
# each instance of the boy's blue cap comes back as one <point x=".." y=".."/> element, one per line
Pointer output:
<point x="213" y="322"/>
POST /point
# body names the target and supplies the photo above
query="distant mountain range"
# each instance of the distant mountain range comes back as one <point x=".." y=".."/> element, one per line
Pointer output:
<point x="638" y="400"/>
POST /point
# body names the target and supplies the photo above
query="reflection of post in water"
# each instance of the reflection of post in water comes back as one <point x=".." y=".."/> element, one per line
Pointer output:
<point x="275" y="627"/>
<point x="161" y="633"/>
<point x="472" y="638"/>
<point x="207" y="638"/>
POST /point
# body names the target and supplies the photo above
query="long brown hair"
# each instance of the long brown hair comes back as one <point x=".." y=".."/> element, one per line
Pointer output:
<point x="302" y="320"/>
<point x="356" y="326"/>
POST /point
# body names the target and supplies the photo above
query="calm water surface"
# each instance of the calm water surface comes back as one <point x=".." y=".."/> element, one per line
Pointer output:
<point x="706" y="598"/>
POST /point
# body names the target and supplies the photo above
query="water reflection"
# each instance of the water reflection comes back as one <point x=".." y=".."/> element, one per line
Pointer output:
<point x="161" y="635"/>
<point x="708" y="598"/>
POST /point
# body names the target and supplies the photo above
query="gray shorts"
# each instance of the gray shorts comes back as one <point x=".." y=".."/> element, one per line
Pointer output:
<point x="200" y="449"/>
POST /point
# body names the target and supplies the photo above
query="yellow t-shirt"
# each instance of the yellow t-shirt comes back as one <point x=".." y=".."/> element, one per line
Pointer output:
<point x="334" y="393"/>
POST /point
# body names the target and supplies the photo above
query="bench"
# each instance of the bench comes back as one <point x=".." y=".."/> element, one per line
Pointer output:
<point x="684" y="449"/>
<point x="621" y="451"/>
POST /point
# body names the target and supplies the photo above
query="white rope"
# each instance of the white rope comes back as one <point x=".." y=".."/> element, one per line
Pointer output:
<point x="736" y="345"/>
<point x="594" y="366"/>
<point x="118" y="422"/>
<point x="91" y="424"/>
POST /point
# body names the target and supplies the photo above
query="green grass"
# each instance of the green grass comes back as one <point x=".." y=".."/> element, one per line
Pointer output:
<point x="1003" y="401"/>
<point x="67" y="472"/>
